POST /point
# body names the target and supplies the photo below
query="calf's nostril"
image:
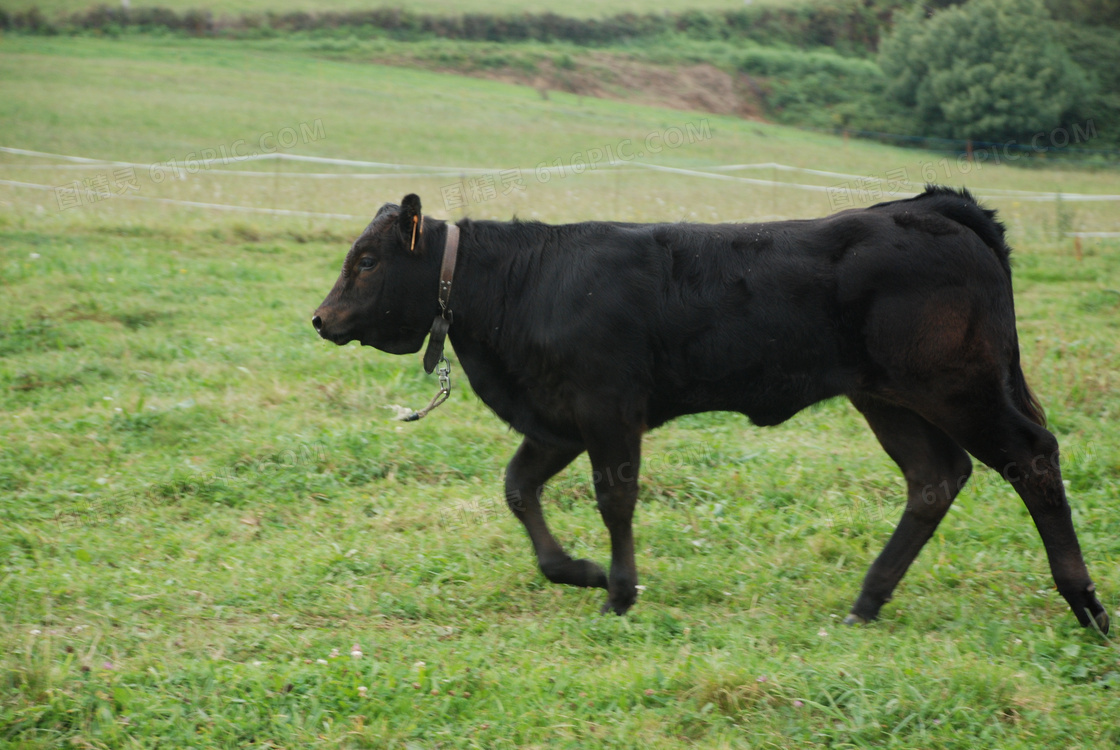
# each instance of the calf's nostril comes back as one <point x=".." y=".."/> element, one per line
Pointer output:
<point x="317" y="322"/>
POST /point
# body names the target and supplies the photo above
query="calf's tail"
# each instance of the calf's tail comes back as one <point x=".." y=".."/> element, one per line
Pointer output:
<point x="962" y="207"/>
<point x="1022" y="395"/>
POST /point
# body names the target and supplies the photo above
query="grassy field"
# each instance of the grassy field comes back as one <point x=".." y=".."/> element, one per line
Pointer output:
<point x="205" y="508"/>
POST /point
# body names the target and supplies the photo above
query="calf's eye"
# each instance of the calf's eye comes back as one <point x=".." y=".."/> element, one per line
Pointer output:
<point x="366" y="262"/>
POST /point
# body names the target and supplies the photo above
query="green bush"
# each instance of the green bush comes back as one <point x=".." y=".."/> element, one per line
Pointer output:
<point x="1097" y="50"/>
<point x="821" y="89"/>
<point x="1089" y="12"/>
<point x="988" y="70"/>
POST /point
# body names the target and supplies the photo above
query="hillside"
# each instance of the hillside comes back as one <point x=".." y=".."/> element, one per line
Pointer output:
<point x="810" y="64"/>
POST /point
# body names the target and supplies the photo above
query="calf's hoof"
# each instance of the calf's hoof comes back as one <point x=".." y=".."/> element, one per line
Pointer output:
<point x="854" y="619"/>
<point x="1101" y="620"/>
<point x="1089" y="611"/>
<point x="618" y="608"/>
<point x="583" y="573"/>
<point x="620" y="597"/>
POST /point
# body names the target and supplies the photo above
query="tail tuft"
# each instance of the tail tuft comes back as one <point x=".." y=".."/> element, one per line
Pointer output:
<point x="1023" y="397"/>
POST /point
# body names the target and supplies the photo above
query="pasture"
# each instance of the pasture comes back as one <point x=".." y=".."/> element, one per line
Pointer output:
<point x="206" y="508"/>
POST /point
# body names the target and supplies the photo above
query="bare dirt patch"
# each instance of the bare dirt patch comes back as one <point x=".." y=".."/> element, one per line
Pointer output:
<point x="701" y="87"/>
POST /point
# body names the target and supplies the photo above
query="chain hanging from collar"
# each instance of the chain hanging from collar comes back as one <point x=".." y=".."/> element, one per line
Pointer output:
<point x="443" y="372"/>
<point x="434" y="357"/>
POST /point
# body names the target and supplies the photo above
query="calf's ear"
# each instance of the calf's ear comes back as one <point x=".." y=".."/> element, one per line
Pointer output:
<point x="411" y="222"/>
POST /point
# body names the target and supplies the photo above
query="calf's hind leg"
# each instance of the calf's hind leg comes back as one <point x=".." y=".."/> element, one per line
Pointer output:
<point x="935" y="468"/>
<point x="533" y="465"/>
<point x="1026" y="455"/>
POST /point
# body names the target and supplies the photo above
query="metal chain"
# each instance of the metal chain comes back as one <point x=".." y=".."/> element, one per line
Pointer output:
<point x="443" y="372"/>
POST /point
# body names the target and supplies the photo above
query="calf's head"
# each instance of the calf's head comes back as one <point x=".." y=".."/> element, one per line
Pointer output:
<point x="387" y="293"/>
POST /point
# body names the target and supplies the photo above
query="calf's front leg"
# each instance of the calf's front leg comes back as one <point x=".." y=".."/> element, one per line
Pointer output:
<point x="533" y="465"/>
<point x="615" y="460"/>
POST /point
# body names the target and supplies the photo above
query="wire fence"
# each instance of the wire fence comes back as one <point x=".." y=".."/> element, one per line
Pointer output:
<point x="805" y="179"/>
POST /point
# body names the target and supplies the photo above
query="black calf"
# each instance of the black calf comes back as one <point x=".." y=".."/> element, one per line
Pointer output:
<point x="584" y="336"/>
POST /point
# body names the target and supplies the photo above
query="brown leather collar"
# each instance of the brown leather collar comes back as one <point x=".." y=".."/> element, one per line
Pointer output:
<point x="447" y="269"/>
<point x="443" y="321"/>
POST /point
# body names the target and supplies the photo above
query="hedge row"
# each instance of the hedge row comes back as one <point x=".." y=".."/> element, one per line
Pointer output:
<point x="852" y="24"/>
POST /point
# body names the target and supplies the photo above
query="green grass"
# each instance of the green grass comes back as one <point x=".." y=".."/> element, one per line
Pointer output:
<point x="200" y="500"/>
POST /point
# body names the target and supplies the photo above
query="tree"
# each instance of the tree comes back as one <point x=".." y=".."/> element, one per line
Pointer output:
<point x="1090" y="12"/>
<point x="986" y="70"/>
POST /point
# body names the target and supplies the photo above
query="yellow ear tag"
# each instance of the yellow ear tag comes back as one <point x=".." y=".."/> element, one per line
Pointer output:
<point x="415" y="223"/>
